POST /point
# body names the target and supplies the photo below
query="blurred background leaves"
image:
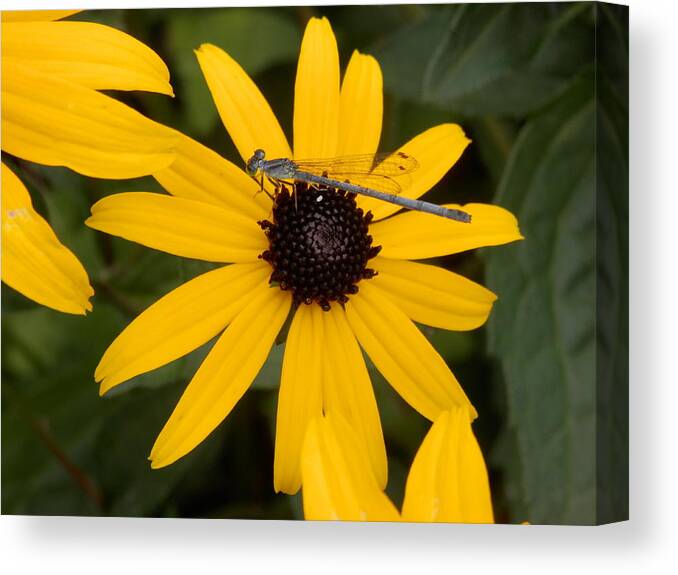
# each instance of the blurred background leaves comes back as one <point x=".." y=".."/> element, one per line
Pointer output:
<point x="523" y="81"/>
<point x="545" y="330"/>
<point x="472" y="60"/>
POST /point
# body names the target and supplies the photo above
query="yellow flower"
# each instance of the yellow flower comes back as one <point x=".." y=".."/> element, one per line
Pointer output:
<point x="53" y="115"/>
<point x="212" y="215"/>
<point x="447" y="481"/>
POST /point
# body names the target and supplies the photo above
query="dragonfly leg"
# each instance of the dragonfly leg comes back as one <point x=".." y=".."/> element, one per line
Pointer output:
<point x="294" y="193"/>
<point x="263" y="189"/>
<point x="276" y="185"/>
<point x="260" y="181"/>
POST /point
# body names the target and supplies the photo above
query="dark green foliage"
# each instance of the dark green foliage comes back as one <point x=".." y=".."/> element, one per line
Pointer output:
<point x="498" y="59"/>
<point x="543" y="327"/>
<point x="561" y="325"/>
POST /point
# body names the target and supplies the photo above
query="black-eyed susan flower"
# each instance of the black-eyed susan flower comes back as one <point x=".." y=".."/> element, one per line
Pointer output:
<point x="53" y="115"/>
<point x="308" y="251"/>
<point x="447" y="481"/>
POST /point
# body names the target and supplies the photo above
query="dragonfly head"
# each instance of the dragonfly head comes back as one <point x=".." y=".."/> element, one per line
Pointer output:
<point x="254" y="163"/>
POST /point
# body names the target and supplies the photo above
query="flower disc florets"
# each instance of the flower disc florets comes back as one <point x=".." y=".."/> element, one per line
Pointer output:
<point x="319" y="245"/>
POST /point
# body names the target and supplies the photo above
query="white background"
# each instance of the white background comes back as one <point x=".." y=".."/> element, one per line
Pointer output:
<point x="646" y="544"/>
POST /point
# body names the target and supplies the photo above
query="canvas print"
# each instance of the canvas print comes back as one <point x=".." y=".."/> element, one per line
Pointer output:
<point x="358" y="263"/>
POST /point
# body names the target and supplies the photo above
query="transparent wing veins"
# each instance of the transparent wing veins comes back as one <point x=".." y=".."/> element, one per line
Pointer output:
<point x="387" y="165"/>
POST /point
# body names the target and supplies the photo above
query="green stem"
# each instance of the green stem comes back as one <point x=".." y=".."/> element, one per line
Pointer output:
<point x="42" y="430"/>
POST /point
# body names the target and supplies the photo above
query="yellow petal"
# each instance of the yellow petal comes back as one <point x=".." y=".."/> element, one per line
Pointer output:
<point x="36" y="15"/>
<point x="300" y="396"/>
<point x="246" y="114"/>
<point x="402" y="354"/>
<point x="34" y="261"/>
<point x="347" y="389"/>
<point x="436" y="151"/>
<point x="224" y="376"/>
<point x="432" y="295"/>
<point x="360" y="107"/>
<point x="51" y="121"/>
<point x="89" y="54"/>
<point x="180" y="322"/>
<point x="448" y="479"/>
<point x="316" y="93"/>
<point x="414" y="235"/>
<point x="179" y="226"/>
<point x="200" y="174"/>
<point x="337" y="477"/>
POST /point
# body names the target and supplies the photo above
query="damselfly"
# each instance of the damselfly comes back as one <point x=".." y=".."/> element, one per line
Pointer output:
<point x="369" y="175"/>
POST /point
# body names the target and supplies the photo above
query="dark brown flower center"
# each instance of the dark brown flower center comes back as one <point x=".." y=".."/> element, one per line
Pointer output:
<point x="318" y="244"/>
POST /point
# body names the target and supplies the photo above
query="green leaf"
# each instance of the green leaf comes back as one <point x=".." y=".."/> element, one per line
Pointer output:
<point x="543" y="327"/>
<point x="51" y="412"/>
<point x="269" y="374"/>
<point x="454" y="346"/>
<point x="256" y="39"/>
<point x="65" y="450"/>
<point x="501" y="59"/>
<point x="132" y="422"/>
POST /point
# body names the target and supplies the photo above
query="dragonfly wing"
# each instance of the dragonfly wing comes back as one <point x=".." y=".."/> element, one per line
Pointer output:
<point x="382" y="172"/>
<point x="392" y="164"/>
<point x="395" y="164"/>
<point x="378" y="182"/>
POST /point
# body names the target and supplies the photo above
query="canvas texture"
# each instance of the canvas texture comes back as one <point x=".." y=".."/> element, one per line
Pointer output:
<point x="358" y="263"/>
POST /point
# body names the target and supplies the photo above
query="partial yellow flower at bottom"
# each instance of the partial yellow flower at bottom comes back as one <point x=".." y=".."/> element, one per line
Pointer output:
<point x="337" y="479"/>
<point x="447" y="482"/>
<point x="52" y="114"/>
<point x="448" y="479"/>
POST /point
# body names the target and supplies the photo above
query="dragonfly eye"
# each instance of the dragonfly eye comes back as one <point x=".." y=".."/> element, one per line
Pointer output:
<point x="254" y="163"/>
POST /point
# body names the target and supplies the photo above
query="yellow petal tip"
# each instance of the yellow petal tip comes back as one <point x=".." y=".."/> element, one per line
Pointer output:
<point x="106" y="383"/>
<point x="204" y="47"/>
<point x="159" y="462"/>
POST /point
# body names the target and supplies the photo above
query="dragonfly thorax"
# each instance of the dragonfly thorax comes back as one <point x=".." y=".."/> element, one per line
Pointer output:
<point x="279" y="169"/>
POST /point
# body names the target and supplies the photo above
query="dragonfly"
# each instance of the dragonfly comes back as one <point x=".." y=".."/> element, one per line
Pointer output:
<point x="372" y="175"/>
